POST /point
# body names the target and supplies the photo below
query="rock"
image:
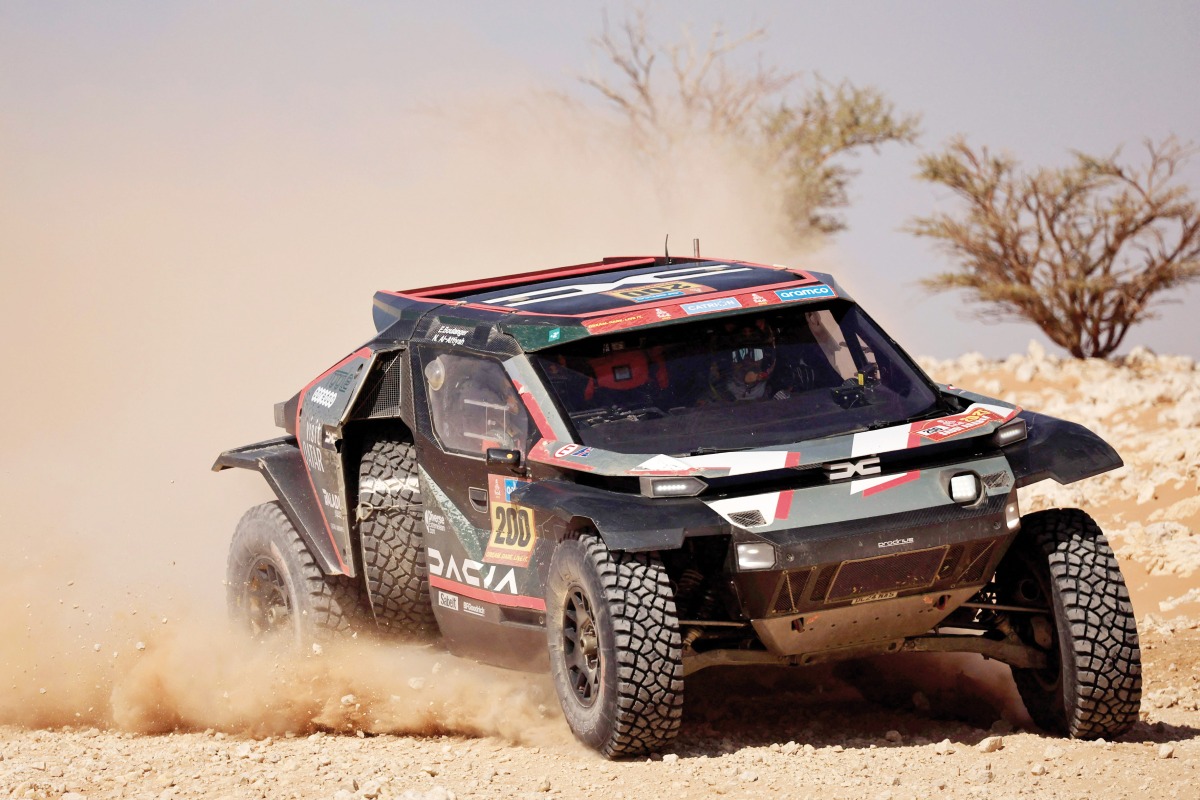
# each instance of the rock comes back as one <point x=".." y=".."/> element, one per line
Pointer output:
<point x="243" y="750"/>
<point x="416" y="684"/>
<point x="349" y="700"/>
<point x="430" y="770"/>
<point x="894" y="737"/>
<point x="1052" y="752"/>
<point x="670" y="758"/>
<point x="944" y="748"/>
<point x="990" y="745"/>
<point x="543" y="784"/>
<point x="73" y="796"/>
<point x="1037" y="769"/>
<point x="982" y="776"/>
<point x="789" y="748"/>
<point x="1001" y="727"/>
<point x="140" y="646"/>
<point x="748" y="777"/>
<point x="1166" y="751"/>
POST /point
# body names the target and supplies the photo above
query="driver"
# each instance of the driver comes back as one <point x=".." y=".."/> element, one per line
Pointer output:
<point x="744" y="364"/>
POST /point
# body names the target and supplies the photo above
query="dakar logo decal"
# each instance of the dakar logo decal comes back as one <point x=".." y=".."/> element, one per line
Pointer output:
<point x="659" y="291"/>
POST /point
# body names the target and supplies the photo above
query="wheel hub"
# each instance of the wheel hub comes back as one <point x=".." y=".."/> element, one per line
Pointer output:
<point x="268" y="606"/>
<point x="581" y="647"/>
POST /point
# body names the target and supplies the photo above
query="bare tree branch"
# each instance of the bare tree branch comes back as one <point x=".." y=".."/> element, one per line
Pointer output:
<point x="1084" y="252"/>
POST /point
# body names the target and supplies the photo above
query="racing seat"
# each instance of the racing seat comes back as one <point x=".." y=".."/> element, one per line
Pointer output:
<point x="618" y="373"/>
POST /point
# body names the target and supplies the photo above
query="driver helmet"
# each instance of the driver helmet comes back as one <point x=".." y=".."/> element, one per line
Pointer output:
<point x="750" y="349"/>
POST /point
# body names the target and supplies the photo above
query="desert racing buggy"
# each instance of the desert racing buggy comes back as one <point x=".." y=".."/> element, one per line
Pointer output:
<point x="626" y="471"/>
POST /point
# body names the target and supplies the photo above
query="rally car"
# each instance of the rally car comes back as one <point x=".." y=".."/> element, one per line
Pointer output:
<point x="626" y="471"/>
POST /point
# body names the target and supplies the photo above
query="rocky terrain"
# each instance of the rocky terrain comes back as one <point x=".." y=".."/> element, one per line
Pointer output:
<point x="159" y="703"/>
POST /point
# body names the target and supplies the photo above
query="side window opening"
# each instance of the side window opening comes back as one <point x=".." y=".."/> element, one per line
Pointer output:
<point x="473" y="404"/>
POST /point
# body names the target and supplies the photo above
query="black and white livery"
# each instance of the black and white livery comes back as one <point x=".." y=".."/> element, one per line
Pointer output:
<point x="626" y="471"/>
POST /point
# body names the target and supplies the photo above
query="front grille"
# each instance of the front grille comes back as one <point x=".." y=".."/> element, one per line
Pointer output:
<point x="981" y="555"/>
<point x="887" y="573"/>
<point x="822" y="584"/>
<point x="788" y="594"/>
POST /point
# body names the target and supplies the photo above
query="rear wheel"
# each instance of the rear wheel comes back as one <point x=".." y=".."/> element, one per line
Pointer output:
<point x="392" y="530"/>
<point x="615" y="651"/>
<point x="273" y="584"/>
<point x="1092" y="685"/>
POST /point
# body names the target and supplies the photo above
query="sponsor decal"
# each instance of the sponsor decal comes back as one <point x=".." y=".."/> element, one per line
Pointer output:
<point x="554" y="335"/>
<point x="501" y="488"/>
<point x="450" y="334"/>
<point x="447" y="600"/>
<point x="333" y="502"/>
<point x="473" y="608"/>
<point x="663" y="463"/>
<point x="325" y="398"/>
<point x="758" y="299"/>
<point x="514" y="533"/>
<point x="662" y="313"/>
<point x="340" y="380"/>
<point x="849" y="469"/>
<point x="435" y="522"/>
<point x="659" y="291"/>
<point x="709" y="306"/>
<point x="895" y="542"/>
<point x="472" y="573"/>
<point x="871" y="598"/>
<point x="947" y="427"/>
<point x="616" y="323"/>
<point x="565" y="450"/>
<point x="309" y="446"/>
<point x="579" y="289"/>
<point x="805" y="293"/>
<point x="583" y="452"/>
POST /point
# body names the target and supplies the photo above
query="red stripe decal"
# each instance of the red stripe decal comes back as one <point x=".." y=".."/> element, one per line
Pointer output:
<point x="899" y="480"/>
<point x="784" y="506"/>
<point x="535" y="411"/>
<point x="792" y="460"/>
<point x="511" y="600"/>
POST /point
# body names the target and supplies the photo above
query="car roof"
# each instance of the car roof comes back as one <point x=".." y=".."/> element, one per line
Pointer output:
<point x="546" y="307"/>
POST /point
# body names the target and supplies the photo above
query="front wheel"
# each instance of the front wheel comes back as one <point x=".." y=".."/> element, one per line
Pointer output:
<point x="615" y="651"/>
<point x="1092" y="684"/>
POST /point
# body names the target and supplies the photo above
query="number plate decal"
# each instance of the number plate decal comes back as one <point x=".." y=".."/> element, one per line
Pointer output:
<point x="514" y="532"/>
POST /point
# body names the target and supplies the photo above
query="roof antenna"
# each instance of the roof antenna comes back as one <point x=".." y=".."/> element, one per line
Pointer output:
<point x="696" y="248"/>
<point x="666" y="248"/>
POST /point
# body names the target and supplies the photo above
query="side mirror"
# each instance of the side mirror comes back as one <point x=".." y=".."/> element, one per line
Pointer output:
<point x="499" y="457"/>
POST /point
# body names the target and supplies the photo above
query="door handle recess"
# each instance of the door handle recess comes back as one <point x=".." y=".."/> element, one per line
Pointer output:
<point x="478" y="499"/>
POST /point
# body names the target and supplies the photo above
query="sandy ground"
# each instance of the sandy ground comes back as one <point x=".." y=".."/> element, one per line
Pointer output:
<point x="154" y="705"/>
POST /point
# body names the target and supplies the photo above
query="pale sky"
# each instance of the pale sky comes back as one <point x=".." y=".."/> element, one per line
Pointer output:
<point x="100" y="98"/>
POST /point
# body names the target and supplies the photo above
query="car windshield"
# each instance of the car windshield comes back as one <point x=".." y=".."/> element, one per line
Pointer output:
<point x="755" y="380"/>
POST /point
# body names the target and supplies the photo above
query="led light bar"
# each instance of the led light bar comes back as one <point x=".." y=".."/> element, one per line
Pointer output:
<point x="672" y="487"/>
<point x="1010" y="432"/>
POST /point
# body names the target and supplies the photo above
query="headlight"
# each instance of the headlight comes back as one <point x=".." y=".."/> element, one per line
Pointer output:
<point x="672" y="487"/>
<point x="964" y="488"/>
<point x="1011" y="432"/>
<point x="755" y="555"/>
<point x="1012" y="514"/>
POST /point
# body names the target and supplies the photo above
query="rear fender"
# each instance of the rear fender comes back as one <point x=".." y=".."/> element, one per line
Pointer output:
<point x="280" y="463"/>
<point x="1055" y="448"/>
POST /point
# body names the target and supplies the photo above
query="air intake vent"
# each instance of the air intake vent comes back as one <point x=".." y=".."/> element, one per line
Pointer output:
<point x="748" y="519"/>
<point x="951" y="563"/>
<point x="981" y="554"/>
<point x="790" y="587"/>
<point x="823" y="581"/>
<point x="887" y="573"/>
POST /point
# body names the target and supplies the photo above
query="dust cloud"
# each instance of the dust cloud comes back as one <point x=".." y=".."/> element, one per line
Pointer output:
<point x="172" y="270"/>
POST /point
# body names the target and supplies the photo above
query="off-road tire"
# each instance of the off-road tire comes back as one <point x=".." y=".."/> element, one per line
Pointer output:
<point x="636" y="690"/>
<point x="273" y="584"/>
<point x="392" y="533"/>
<point x="1092" y="686"/>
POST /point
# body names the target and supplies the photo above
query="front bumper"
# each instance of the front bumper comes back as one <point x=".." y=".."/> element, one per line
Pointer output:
<point x="881" y="579"/>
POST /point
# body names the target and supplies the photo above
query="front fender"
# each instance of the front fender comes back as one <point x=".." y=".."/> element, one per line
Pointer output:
<point x="628" y="522"/>
<point x="1055" y="448"/>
